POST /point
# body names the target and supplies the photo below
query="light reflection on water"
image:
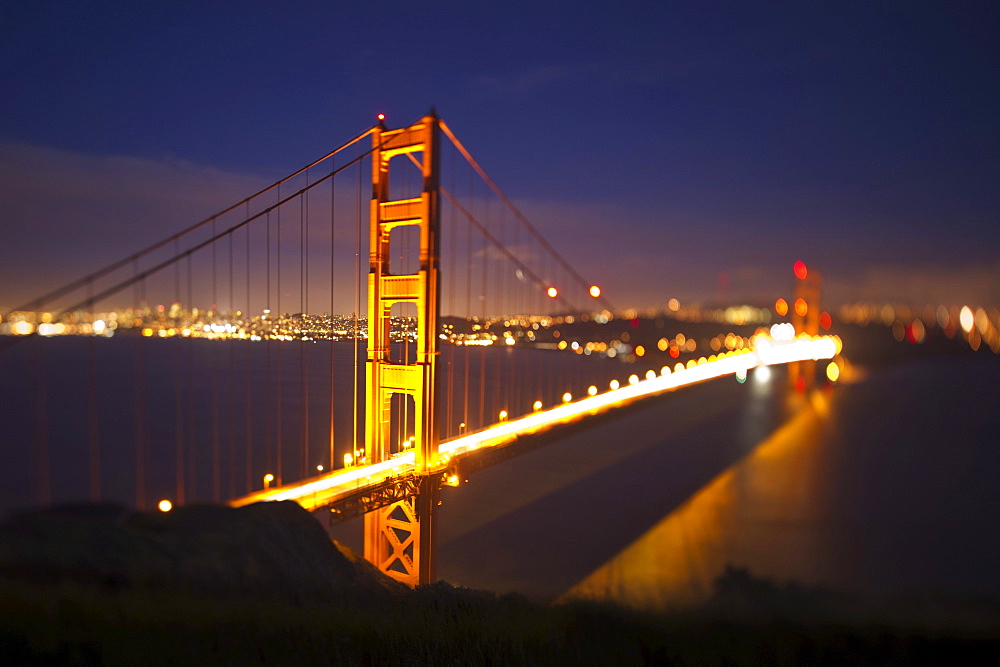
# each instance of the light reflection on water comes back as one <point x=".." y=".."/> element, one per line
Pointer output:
<point x="675" y="563"/>
<point x="885" y="488"/>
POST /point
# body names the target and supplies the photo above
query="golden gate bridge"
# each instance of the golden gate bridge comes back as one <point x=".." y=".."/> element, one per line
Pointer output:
<point x="429" y="363"/>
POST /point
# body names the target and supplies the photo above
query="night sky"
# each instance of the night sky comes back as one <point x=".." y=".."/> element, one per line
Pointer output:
<point x="656" y="144"/>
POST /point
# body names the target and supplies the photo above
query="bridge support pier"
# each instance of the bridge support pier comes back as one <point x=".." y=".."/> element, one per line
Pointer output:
<point x="399" y="538"/>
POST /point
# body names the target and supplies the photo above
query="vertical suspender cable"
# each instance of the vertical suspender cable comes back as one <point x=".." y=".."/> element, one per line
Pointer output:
<point x="140" y="411"/>
<point x="248" y="405"/>
<point x="278" y="351"/>
<point x="357" y="300"/>
<point x="333" y="346"/>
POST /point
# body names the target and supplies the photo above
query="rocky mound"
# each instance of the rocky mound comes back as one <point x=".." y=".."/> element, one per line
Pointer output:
<point x="274" y="550"/>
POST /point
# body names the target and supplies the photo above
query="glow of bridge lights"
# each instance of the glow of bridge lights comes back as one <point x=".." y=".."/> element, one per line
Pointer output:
<point x="319" y="492"/>
<point x="762" y="375"/>
<point x="650" y="375"/>
<point x="801" y="307"/>
<point x="674" y="305"/>
<point x="915" y="331"/>
<point x="503" y="415"/>
<point x="801" y="271"/>
<point x="567" y="397"/>
<point x="319" y="468"/>
<point x="461" y="427"/>
<point x="268" y="478"/>
<point x="452" y="480"/>
<point x="781" y="307"/>
<point x="665" y="371"/>
<point x="832" y="371"/>
<point x="164" y="505"/>
<point x="595" y="291"/>
<point x="966" y="319"/>
<point x="23" y="328"/>
<point x="633" y="379"/>
<point x="640" y="351"/>
<point x="614" y="384"/>
<point x="537" y="405"/>
<point x="783" y="331"/>
<point x="552" y="292"/>
<point x="381" y="116"/>
<point x="348" y="460"/>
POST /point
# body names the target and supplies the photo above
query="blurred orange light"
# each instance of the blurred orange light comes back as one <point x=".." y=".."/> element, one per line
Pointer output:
<point x="781" y="307"/>
<point x="165" y="505"/>
<point x="595" y="291"/>
<point x="800" y="270"/>
<point x="552" y="292"/>
<point x="640" y="351"/>
<point x="832" y="371"/>
<point x="801" y="308"/>
<point x="825" y="320"/>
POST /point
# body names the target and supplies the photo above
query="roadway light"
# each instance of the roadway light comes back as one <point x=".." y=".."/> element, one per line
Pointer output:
<point x="537" y="405"/>
<point x="595" y="291"/>
<point x="319" y="468"/>
<point x="165" y="505"/>
<point x="348" y="460"/>
<point x="567" y="397"/>
<point x="268" y="478"/>
<point x="552" y="292"/>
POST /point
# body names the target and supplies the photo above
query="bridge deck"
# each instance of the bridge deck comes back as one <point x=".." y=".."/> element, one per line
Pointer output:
<point x="331" y="488"/>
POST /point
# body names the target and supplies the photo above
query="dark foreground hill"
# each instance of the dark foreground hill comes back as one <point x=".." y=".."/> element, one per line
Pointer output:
<point x="263" y="584"/>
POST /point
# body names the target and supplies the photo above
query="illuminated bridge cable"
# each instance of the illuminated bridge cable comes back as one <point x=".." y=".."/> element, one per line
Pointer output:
<point x="114" y="289"/>
<point x="39" y="302"/>
<point x="539" y="282"/>
<point x="520" y="216"/>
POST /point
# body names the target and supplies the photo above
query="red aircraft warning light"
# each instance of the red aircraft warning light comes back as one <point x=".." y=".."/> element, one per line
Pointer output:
<point x="801" y="271"/>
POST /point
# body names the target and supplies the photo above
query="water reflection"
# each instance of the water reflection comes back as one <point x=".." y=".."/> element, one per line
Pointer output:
<point x="753" y="514"/>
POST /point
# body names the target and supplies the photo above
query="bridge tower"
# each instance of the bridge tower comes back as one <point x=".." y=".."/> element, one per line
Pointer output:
<point x="399" y="537"/>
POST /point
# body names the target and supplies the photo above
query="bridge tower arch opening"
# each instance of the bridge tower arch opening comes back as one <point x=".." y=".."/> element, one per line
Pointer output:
<point x="399" y="537"/>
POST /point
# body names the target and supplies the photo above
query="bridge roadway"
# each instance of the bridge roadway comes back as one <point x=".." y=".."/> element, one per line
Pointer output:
<point x="344" y="484"/>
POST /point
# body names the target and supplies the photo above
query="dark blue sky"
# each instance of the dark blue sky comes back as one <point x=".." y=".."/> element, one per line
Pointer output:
<point x="689" y="138"/>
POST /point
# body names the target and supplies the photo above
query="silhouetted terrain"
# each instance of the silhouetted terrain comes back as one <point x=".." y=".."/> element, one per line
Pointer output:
<point x="263" y="584"/>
